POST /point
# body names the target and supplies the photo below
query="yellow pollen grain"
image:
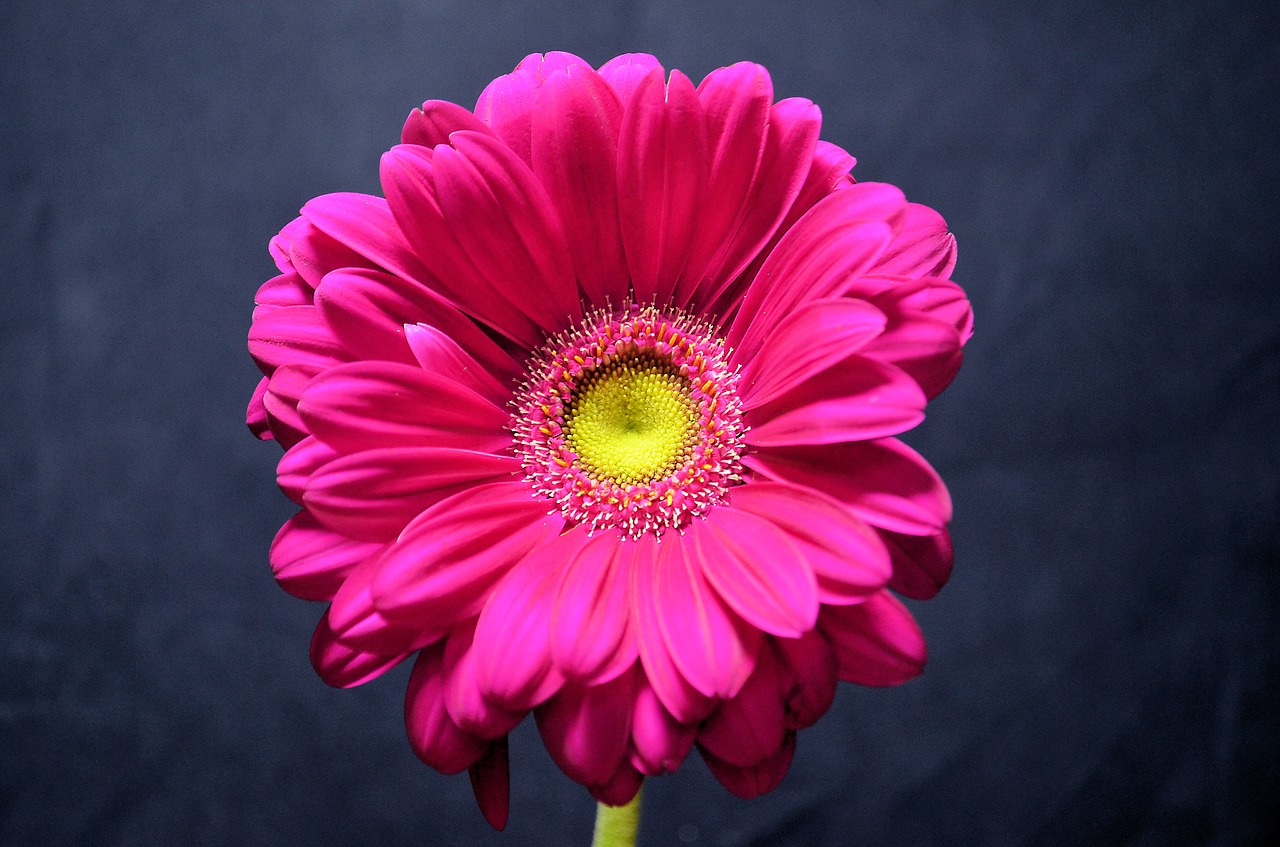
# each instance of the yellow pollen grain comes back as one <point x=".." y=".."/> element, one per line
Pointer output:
<point x="631" y="421"/>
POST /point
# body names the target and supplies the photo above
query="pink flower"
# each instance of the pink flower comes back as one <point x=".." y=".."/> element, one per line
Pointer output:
<point x="594" y="414"/>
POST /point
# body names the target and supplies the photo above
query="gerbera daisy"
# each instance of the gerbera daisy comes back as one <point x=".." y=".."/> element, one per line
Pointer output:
<point x="594" y="413"/>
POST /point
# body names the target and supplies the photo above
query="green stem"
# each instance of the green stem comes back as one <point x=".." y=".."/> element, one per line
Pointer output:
<point x="616" y="825"/>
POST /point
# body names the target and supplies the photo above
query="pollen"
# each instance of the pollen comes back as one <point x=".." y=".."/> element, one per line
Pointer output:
<point x="631" y="420"/>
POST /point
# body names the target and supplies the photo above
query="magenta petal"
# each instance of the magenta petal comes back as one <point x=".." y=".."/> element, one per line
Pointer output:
<point x="435" y="738"/>
<point x="462" y="697"/>
<point x="921" y="564"/>
<point x="749" y="728"/>
<point x="858" y="399"/>
<point x="659" y="742"/>
<point x="507" y="104"/>
<point x="298" y="463"/>
<point x="408" y="178"/>
<point x="750" y="782"/>
<point x="357" y="623"/>
<point x="678" y="697"/>
<point x="713" y="648"/>
<point x="575" y="152"/>
<point x="885" y="482"/>
<point x="343" y="666"/>
<point x="438" y="353"/>
<point x="365" y="405"/>
<point x="293" y="335"/>
<point x="310" y="561"/>
<point x="808" y="676"/>
<point x="445" y="562"/>
<point x="586" y="728"/>
<point x="943" y="300"/>
<point x="436" y="121"/>
<point x="876" y="643"/>
<point x="847" y="556"/>
<point x="491" y="783"/>
<point x="287" y="289"/>
<point x="924" y="247"/>
<point x="756" y="570"/>
<point x="256" y="414"/>
<point x="488" y="197"/>
<point x="621" y="788"/>
<point x="281" y="402"/>
<point x="372" y="495"/>
<point x="662" y="178"/>
<point x="364" y="224"/>
<point x="815" y="259"/>
<point x="927" y="349"/>
<point x="592" y="637"/>
<point x="625" y="73"/>
<point x="807" y="342"/>
<point x="314" y="253"/>
<point x="513" y="636"/>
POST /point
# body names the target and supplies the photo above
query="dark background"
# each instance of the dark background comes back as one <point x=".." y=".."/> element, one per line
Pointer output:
<point x="1105" y="661"/>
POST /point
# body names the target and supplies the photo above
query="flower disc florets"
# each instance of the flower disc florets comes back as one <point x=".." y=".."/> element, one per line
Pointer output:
<point x="631" y="420"/>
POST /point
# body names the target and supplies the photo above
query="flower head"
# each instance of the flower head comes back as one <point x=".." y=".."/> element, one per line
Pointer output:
<point x="595" y="412"/>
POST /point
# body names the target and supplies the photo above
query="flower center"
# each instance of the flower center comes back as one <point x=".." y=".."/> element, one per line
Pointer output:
<point x="631" y="420"/>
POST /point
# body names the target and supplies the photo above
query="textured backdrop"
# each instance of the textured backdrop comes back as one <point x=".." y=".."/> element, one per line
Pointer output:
<point x="1105" y="660"/>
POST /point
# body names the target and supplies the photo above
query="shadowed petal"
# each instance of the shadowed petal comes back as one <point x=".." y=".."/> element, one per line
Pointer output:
<point x="491" y="784"/>
<point x="921" y="564"/>
<point x="586" y="728"/>
<point x="462" y="697"/>
<point x="750" y="727"/>
<point x="372" y="495"/>
<point x="807" y="672"/>
<point x="659" y="741"/>
<point x="876" y="643"/>
<point x="435" y="738"/>
<point x="310" y="561"/>
<point x="343" y="666"/>
<point x="750" y="782"/>
<point x="662" y="177"/>
<point x="885" y="482"/>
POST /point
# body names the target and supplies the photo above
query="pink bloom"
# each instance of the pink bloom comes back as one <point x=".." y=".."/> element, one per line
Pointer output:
<point x="595" y="412"/>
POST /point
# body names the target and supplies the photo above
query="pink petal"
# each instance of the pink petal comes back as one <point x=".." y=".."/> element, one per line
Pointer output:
<point x="489" y="197"/>
<point x="788" y="152"/>
<point x="885" y="482"/>
<point x="662" y="178"/>
<point x="298" y="463"/>
<point x="287" y="289"/>
<point x="445" y="563"/>
<point x="750" y="782"/>
<point x="438" y="353"/>
<point x="921" y="564"/>
<point x="367" y="311"/>
<point x="927" y="349"/>
<point x="945" y="301"/>
<point x="659" y="742"/>
<point x="513" y="637"/>
<point x="310" y="562"/>
<point x="736" y="101"/>
<point x="678" y="697"/>
<point x="625" y="73"/>
<point x="364" y="224"/>
<point x="875" y="643"/>
<point x="435" y="738"/>
<point x="281" y="402"/>
<point x="807" y="672"/>
<point x="357" y="622"/>
<point x="586" y="728"/>
<point x="847" y="556"/>
<point x="491" y="783"/>
<point x="749" y="728"/>
<point x="408" y="178"/>
<point x="293" y="335"/>
<point x="365" y="405"/>
<point x="345" y="667"/>
<point x="372" y="495"/>
<point x="713" y="648"/>
<point x="313" y="253"/>
<point x="838" y="238"/>
<point x="256" y="415"/>
<point x="575" y="151"/>
<point x="621" y="788"/>
<point x="462" y="697"/>
<point x="592" y="638"/>
<point x="756" y="570"/>
<point x="507" y="104"/>
<point x="279" y="245"/>
<point x="856" y="400"/>
<point x="436" y="121"/>
<point x="924" y="247"/>
<point x="807" y="342"/>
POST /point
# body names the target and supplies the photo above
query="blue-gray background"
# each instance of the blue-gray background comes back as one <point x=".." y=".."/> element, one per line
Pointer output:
<point x="1105" y="660"/>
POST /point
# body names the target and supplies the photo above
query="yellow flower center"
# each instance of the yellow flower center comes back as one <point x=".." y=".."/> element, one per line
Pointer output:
<point x="632" y="420"/>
